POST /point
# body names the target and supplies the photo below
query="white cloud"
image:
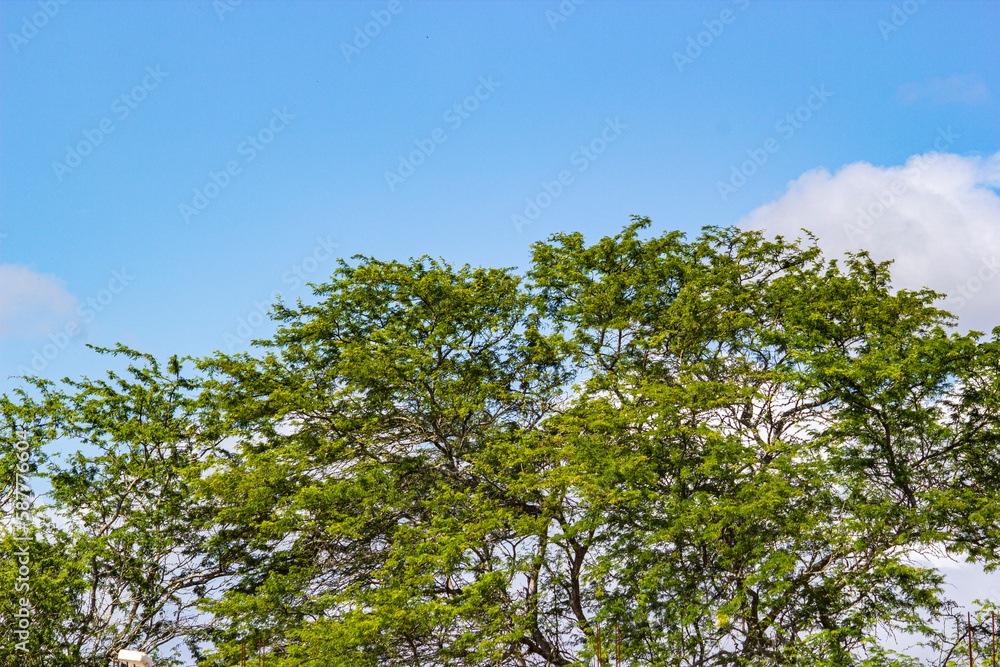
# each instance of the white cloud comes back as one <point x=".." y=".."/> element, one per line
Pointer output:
<point x="956" y="89"/>
<point x="937" y="216"/>
<point x="32" y="304"/>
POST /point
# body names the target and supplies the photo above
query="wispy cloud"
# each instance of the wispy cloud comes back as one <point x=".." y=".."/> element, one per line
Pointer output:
<point x="956" y="89"/>
<point x="31" y="303"/>
<point x="937" y="217"/>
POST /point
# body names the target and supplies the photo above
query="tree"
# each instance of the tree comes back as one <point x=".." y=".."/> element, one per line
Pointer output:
<point x="784" y="435"/>
<point x="720" y="452"/>
<point x="117" y="557"/>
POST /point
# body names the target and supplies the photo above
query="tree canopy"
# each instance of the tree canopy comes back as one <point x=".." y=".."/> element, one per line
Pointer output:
<point x="723" y="451"/>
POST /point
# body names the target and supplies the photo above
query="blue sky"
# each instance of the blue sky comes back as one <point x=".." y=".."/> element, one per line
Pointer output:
<point x="298" y="116"/>
<point x="166" y="167"/>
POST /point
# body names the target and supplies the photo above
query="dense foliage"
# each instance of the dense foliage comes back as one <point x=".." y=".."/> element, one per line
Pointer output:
<point x="725" y="451"/>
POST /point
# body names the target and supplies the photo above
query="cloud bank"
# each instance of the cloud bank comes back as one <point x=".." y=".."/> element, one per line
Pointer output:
<point x="937" y="216"/>
<point x="956" y="89"/>
<point x="32" y="304"/>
